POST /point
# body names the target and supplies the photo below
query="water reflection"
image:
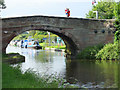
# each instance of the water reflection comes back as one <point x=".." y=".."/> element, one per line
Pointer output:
<point x="41" y="61"/>
<point x="87" y="74"/>
<point x="92" y="73"/>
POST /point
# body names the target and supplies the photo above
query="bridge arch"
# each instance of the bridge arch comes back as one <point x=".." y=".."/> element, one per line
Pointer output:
<point x="71" y="47"/>
<point x="77" y="33"/>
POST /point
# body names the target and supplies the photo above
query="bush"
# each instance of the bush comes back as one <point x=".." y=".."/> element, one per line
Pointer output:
<point x="117" y="36"/>
<point x="89" y="52"/>
<point x="110" y="51"/>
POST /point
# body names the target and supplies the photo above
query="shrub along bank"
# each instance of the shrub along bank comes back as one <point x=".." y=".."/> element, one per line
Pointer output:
<point x="109" y="52"/>
<point x="90" y="52"/>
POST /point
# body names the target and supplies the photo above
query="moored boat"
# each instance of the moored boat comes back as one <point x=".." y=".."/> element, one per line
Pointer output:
<point x="31" y="44"/>
<point x="34" y="44"/>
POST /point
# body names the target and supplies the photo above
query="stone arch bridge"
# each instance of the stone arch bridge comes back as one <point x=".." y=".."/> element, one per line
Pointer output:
<point x="77" y="33"/>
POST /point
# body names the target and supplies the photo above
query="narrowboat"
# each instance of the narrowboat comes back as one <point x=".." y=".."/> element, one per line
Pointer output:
<point x="31" y="44"/>
<point x="34" y="44"/>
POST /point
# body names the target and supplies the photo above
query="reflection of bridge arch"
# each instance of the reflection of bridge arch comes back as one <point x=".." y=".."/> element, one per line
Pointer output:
<point x="77" y="33"/>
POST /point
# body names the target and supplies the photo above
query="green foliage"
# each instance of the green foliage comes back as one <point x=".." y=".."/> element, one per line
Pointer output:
<point x="109" y="52"/>
<point x="21" y="37"/>
<point x="32" y="33"/>
<point x="41" y="32"/>
<point x="36" y="32"/>
<point x="117" y="24"/>
<point x="57" y="47"/>
<point x="117" y="36"/>
<point x="106" y="10"/>
<point x="117" y="33"/>
<point x="115" y="10"/>
<point x="53" y="46"/>
<point x="36" y="35"/>
<point x="89" y="52"/>
<point x="119" y="10"/>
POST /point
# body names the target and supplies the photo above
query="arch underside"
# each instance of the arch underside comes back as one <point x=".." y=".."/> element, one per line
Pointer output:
<point x="71" y="48"/>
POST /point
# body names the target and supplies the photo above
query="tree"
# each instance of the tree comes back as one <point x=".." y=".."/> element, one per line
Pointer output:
<point x="107" y="9"/>
<point x="2" y="4"/>
<point x="32" y="33"/>
<point x="119" y="10"/>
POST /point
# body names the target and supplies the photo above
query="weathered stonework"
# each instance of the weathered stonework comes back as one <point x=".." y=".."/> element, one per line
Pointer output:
<point x="77" y="33"/>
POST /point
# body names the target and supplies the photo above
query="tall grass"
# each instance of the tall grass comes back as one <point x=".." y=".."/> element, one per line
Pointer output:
<point x="13" y="78"/>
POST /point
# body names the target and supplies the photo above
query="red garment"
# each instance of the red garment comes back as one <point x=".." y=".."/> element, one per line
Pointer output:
<point x="67" y="11"/>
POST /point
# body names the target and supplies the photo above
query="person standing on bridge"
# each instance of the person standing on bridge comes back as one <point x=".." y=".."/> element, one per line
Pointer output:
<point x="67" y="11"/>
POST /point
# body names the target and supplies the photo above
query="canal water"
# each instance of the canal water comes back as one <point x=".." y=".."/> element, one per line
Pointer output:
<point x="81" y="73"/>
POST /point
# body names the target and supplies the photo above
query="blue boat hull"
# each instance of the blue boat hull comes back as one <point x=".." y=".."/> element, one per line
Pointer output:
<point x="35" y="47"/>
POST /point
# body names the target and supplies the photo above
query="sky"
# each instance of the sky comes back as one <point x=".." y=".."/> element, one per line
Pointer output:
<point x="17" y="8"/>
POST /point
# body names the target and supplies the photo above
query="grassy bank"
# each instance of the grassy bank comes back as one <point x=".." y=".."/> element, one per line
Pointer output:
<point x="46" y="45"/>
<point x="13" y="58"/>
<point x="13" y="78"/>
<point x="57" y="47"/>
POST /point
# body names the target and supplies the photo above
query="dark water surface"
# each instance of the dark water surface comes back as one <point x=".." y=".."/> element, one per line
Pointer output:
<point x="83" y="73"/>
